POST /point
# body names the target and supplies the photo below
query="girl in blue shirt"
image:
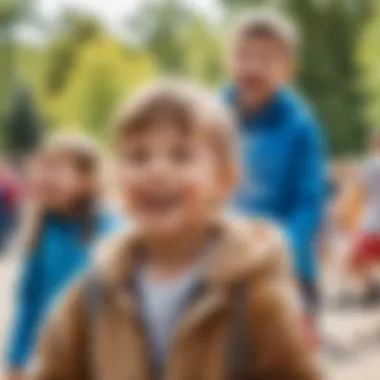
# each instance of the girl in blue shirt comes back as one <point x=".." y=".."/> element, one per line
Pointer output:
<point x="56" y="235"/>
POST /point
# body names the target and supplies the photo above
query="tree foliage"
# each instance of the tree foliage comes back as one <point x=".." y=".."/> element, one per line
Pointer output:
<point x="105" y="72"/>
<point x="73" y="33"/>
<point x="160" y="26"/>
<point x="368" y="60"/>
<point x="11" y="13"/>
<point x="22" y="126"/>
<point x="203" y="55"/>
<point x="83" y="71"/>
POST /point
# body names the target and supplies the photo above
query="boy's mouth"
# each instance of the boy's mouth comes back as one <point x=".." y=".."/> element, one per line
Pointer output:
<point x="160" y="203"/>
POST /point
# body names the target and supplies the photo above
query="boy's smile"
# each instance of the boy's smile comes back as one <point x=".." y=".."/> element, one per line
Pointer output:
<point x="160" y="202"/>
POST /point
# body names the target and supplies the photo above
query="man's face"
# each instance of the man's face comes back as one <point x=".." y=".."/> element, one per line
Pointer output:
<point x="258" y="66"/>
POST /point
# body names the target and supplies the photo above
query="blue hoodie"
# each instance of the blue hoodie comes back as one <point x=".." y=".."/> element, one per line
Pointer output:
<point x="283" y="175"/>
<point x="59" y="255"/>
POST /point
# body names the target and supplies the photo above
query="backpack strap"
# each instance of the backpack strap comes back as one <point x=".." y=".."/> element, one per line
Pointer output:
<point x="239" y="344"/>
<point x="92" y="295"/>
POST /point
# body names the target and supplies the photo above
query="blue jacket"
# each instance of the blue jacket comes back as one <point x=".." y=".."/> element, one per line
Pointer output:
<point x="283" y="175"/>
<point x="60" y="254"/>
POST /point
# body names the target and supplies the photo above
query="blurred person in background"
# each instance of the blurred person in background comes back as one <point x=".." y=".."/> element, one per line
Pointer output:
<point x="9" y="200"/>
<point x="282" y="149"/>
<point x="334" y="238"/>
<point x="365" y="253"/>
<point x="185" y="294"/>
<point x="60" y="222"/>
<point x="343" y="213"/>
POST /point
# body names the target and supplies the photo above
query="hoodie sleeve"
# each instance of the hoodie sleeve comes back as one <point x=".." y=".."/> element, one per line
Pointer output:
<point x="27" y="311"/>
<point x="303" y="219"/>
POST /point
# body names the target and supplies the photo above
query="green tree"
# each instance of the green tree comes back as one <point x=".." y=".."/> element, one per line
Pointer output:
<point x="74" y="31"/>
<point x="179" y="38"/>
<point x="104" y="73"/>
<point x="161" y="26"/>
<point x="22" y="127"/>
<point x="368" y="60"/>
<point x="203" y="55"/>
<point x="11" y="12"/>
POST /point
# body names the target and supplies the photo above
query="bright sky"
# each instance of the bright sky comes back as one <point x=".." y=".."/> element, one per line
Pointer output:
<point x="110" y="12"/>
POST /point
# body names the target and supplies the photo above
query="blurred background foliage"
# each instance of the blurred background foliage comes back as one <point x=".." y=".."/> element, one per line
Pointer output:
<point x="77" y="76"/>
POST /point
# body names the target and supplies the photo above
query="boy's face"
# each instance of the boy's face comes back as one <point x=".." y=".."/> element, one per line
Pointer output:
<point x="258" y="66"/>
<point x="171" y="180"/>
<point x="56" y="183"/>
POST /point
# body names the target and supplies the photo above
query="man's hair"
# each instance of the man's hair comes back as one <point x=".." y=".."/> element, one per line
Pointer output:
<point x="186" y="106"/>
<point x="268" y="23"/>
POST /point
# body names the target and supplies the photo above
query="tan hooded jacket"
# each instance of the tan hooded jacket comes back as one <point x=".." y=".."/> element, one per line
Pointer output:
<point x="247" y="252"/>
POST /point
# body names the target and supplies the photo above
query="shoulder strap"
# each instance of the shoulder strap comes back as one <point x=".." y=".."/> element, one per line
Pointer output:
<point x="92" y="296"/>
<point x="239" y="345"/>
<point x="92" y="293"/>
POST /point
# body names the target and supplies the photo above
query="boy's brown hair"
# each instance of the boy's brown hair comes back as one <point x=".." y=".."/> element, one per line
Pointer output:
<point x="182" y="105"/>
<point x="268" y="23"/>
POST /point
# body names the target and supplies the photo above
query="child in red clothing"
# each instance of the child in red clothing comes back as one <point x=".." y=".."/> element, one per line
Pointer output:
<point x="366" y="248"/>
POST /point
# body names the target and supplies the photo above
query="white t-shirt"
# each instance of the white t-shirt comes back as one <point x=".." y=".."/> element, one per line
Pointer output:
<point x="162" y="304"/>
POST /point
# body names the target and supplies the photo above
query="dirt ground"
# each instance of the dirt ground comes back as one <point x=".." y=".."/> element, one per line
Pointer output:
<point x="352" y="340"/>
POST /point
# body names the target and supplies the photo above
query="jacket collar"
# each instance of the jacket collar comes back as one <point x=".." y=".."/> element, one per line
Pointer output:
<point x="242" y="248"/>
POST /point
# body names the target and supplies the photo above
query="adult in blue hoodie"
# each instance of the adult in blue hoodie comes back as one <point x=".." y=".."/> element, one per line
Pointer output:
<point x="283" y="172"/>
<point x="62" y="250"/>
<point x="281" y="143"/>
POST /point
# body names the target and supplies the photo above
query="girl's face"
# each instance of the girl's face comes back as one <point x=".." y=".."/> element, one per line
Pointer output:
<point x="56" y="182"/>
<point x="171" y="181"/>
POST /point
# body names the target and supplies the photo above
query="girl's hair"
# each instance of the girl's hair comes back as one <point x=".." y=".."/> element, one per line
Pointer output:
<point x="84" y="155"/>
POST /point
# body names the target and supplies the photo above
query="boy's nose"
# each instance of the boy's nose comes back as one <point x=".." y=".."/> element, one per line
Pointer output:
<point x="160" y="168"/>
